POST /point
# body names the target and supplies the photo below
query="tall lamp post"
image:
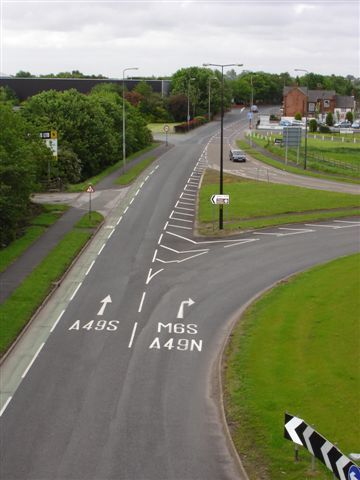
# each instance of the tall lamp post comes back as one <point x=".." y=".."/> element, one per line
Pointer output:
<point x="221" y="217"/>
<point x="209" y="109"/>
<point x="124" y="129"/>
<point x="306" y="113"/>
<point x="188" y="101"/>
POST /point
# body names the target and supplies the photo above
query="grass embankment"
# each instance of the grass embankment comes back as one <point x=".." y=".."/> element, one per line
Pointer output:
<point x="297" y="350"/>
<point x="81" y="187"/>
<point x="256" y="204"/>
<point x="37" y="226"/>
<point x="18" y="309"/>
<point x="135" y="171"/>
<point x="327" y="157"/>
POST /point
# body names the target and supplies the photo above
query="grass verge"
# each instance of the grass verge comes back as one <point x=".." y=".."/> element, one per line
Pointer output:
<point x="81" y="187"/>
<point x="49" y="215"/>
<point x="159" y="127"/>
<point x="134" y="172"/>
<point x="18" y="309"/>
<point x="256" y="204"/>
<point x="284" y="357"/>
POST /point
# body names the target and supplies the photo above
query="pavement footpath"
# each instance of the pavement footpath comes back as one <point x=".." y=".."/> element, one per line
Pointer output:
<point x="105" y="197"/>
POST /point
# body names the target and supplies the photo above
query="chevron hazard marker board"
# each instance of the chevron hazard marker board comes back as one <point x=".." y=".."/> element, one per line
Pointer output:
<point x="303" y="434"/>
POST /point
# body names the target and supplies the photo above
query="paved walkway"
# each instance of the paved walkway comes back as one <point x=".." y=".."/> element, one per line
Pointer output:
<point x="106" y="196"/>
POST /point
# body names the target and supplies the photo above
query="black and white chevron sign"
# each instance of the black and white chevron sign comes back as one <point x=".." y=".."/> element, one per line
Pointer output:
<point x="301" y="433"/>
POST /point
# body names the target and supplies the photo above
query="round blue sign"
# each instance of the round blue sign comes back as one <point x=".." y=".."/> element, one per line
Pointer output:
<point x="354" y="473"/>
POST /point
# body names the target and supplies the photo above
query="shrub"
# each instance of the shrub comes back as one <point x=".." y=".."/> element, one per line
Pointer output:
<point x="312" y="125"/>
<point x="324" y="129"/>
<point x="194" y="123"/>
<point x="349" y="116"/>
<point x="329" y="119"/>
<point x="298" y="116"/>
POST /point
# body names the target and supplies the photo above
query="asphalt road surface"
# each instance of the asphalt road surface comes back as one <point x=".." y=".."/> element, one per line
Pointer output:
<point x="118" y="376"/>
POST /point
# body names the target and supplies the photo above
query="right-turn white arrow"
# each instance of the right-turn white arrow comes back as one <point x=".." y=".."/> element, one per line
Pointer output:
<point x="181" y="308"/>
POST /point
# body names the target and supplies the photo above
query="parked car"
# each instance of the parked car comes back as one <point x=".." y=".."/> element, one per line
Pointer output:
<point x="356" y="124"/>
<point x="285" y="123"/>
<point x="297" y="123"/>
<point x="237" y="156"/>
<point x="344" y="124"/>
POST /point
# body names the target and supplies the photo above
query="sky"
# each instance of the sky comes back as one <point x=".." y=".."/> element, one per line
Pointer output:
<point x="160" y="37"/>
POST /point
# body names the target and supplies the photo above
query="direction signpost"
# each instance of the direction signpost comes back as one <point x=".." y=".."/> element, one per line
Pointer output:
<point x="291" y="138"/>
<point x="90" y="189"/>
<point x="220" y="199"/>
<point x="166" y="130"/>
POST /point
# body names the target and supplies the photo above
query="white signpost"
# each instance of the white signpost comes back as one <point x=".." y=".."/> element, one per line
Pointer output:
<point x="220" y="199"/>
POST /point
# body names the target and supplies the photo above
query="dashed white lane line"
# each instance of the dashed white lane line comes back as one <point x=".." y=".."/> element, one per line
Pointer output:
<point x="57" y="321"/>
<point x="131" y="201"/>
<point x="91" y="265"/>
<point x="33" y="360"/>
<point x="132" y="335"/>
<point x="126" y="209"/>
<point x="160" y="238"/>
<point x="111" y="233"/>
<point x="75" y="291"/>
<point x="154" y="257"/>
<point x="101" y="249"/>
<point x="137" y="192"/>
<point x="117" y="223"/>
<point x="166" y="225"/>
<point x="5" y="406"/>
<point x="141" y="302"/>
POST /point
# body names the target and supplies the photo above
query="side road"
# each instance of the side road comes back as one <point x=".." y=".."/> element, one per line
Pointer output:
<point x="103" y="200"/>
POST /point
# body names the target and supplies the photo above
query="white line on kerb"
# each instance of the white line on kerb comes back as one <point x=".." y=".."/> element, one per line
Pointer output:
<point x="132" y="335"/>
<point x="142" y="302"/>
<point x="5" y="405"/>
<point x="75" y="291"/>
<point x="91" y="265"/>
<point x="57" y="321"/>
<point x="101" y="249"/>
<point x="33" y="360"/>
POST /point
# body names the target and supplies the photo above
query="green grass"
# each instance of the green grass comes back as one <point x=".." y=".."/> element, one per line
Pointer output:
<point x="338" y="154"/>
<point x="18" y="309"/>
<point x="297" y="350"/>
<point x="159" y="127"/>
<point x="135" y="171"/>
<point x="37" y="226"/>
<point x="259" y="204"/>
<point x="81" y="187"/>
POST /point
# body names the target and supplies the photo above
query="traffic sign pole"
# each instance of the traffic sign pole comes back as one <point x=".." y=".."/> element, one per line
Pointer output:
<point x="90" y="189"/>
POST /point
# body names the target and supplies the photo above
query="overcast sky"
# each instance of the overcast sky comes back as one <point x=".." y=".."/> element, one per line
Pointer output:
<point x="159" y="37"/>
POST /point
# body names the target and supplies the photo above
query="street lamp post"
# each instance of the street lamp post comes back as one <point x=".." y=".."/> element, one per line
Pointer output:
<point x="124" y="129"/>
<point x="306" y="113"/>
<point x="188" y="102"/>
<point x="209" y="109"/>
<point x="221" y="217"/>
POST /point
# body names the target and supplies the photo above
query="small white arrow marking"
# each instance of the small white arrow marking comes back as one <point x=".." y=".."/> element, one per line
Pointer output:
<point x="291" y="426"/>
<point x="104" y="302"/>
<point x="181" y="309"/>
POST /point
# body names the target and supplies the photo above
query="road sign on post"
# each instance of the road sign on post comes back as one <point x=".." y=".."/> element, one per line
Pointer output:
<point x="299" y="432"/>
<point x="220" y="199"/>
<point x="90" y="189"/>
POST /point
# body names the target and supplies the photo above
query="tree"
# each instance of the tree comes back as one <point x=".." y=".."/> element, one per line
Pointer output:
<point x="349" y="116"/>
<point x="329" y="119"/>
<point x="21" y="149"/>
<point x="312" y="125"/>
<point x="177" y="107"/>
<point x="23" y="74"/>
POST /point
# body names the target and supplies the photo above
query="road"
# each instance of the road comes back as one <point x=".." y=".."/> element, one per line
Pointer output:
<point x="118" y="376"/>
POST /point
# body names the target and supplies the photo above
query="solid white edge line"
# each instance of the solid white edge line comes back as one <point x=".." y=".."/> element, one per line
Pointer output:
<point x="57" y="321"/>
<point x="5" y="406"/>
<point x="33" y="360"/>
<point x="75" y="291"/>
<point x="132" y="335"/>
<point x="101" y="249"/>
<point x="141" y="302"/>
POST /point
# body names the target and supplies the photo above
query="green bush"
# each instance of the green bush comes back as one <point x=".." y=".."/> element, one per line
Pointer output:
<point x="324" y="129"/>
<point x="313" y="125"/>
<point x="298" y="116"/>
<point x="329" y="119"/>
<point x="349" y="116"/>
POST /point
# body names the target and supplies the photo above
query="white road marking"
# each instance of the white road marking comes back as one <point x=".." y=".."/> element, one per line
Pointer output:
<point x="146" y="179"/>
<point x="183" y="251"/>
<point x="166" y="225"/>
<point x="154" y="257"/>
<point x="179" y="226"/>
<point x="186" y="214"/>
<point x="104" y="302"/>
<point x="137" y="192"/>
<point x="111" y="233"/>
<point x="75" y="291"/>
<point x="243" y="241"/>
<point x="183" y="259"/>
<point x="160" y="238"/>
<point x="91" y="265"/>
<point x="183" y="208"/>
<point x="131" y="201"/>
<point x="152" y="275"/>
<point x="5" y="406"/>
<point x="132" y="335"/>
<point x="126" y="209"/>
<point x="141" y="302"/>
<point x="142" y="184"/>
<point x="207" y="241"/>
<point x="101" y="249"/>
<point x="347" y="221"/>
<point x="33" y="360"/>
<point x="117" y="223"/>
<point x="57" y="321"/>
<point x="179" y="219"/>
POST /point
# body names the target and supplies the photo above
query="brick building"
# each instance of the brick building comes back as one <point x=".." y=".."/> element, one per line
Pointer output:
<point x="316" y="102"/>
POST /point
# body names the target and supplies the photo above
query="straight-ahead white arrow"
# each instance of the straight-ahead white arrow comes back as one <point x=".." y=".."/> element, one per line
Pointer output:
<point x="104" y="302"/>
<point x="181" y="308"/>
